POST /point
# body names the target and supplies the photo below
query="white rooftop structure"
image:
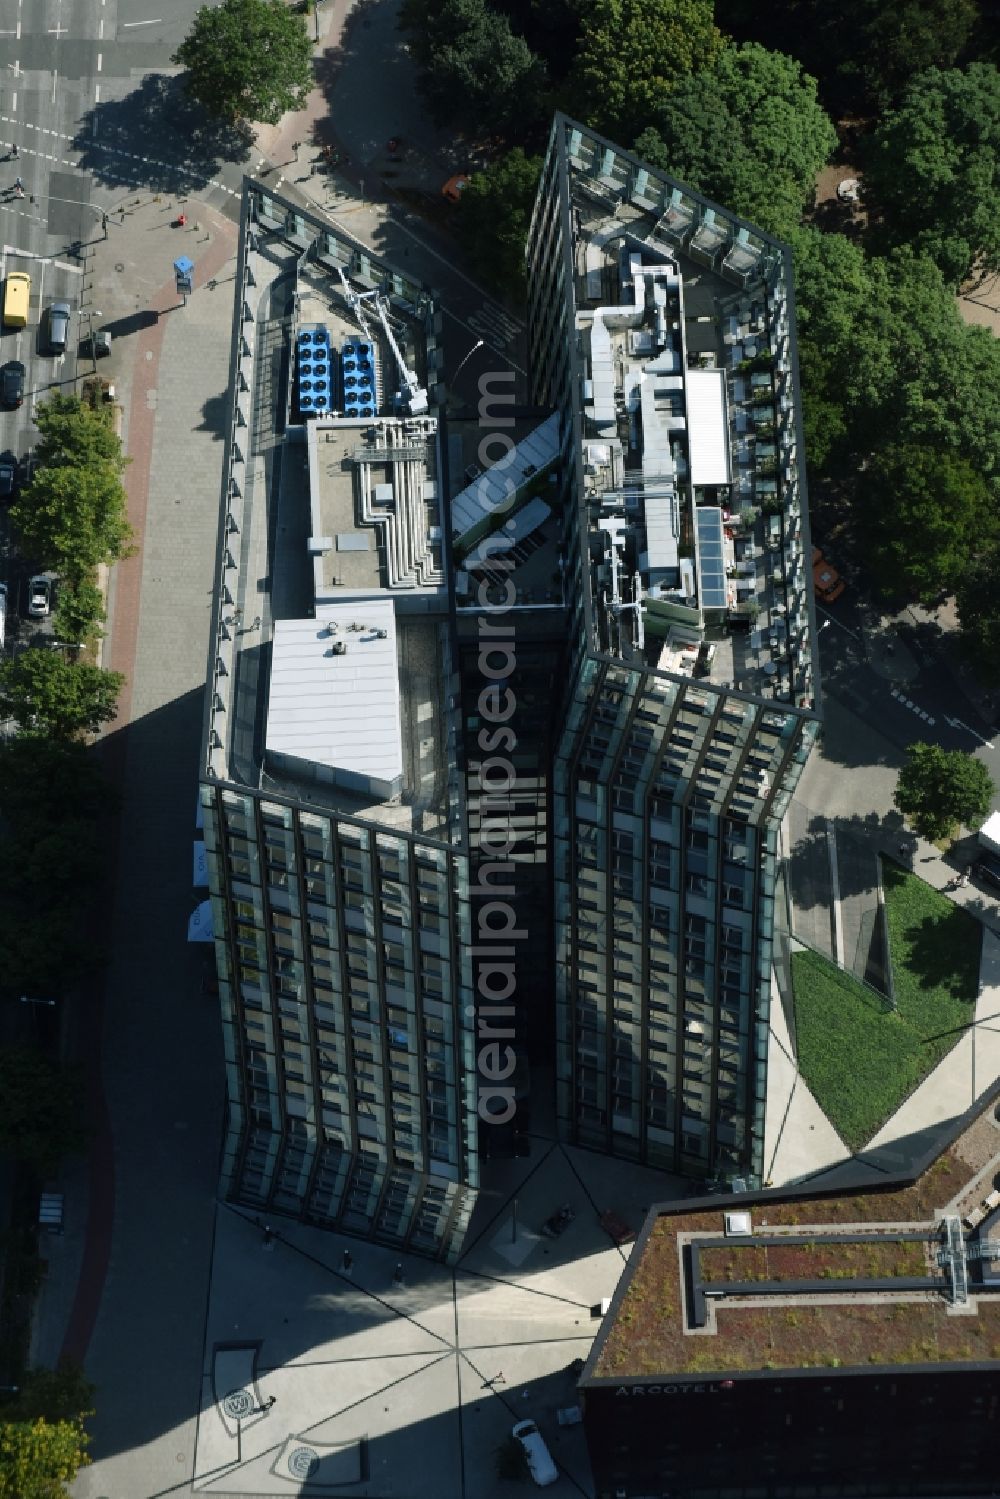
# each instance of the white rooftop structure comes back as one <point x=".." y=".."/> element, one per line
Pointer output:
<point x="494" y="491"/>
<point x="708" y="435"/>
<point x="334" y="702"/>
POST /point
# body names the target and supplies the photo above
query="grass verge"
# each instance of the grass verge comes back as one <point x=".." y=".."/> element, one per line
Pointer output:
<point x="860" y="1060"/>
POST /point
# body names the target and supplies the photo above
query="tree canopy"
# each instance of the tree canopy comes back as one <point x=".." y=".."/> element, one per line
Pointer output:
<point x="978" y="601"/>
<point x="48" y="696"/>
<point x="923" y="514"/>
<point x="50" y="781"/>
<point x="39" y="1458"/>
<point x="938" y="788"/>
<point x="72" y="515"/>
<point x="247" y="60"/>
<point x="492" y="218"/>
<point x="748" y="131"/>
<point x="551" y="29"/>
<point x="863" y="52"/>
<point x="79" y="613"/>
<point x="475" y="72"/>
<point x="884" y="355"/>
<point x="41" y="1108"/>
<point x="61" y="1394"/>
<point x="933" y="170"/>
<point x="631" y="54"/>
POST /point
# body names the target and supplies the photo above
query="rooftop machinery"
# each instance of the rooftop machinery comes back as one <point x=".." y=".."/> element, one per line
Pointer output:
<point x="412" y="398"/>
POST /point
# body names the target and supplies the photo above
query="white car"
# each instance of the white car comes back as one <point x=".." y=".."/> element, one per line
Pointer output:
<point x="540" y="1465"/>
<point x="39" y="596"/>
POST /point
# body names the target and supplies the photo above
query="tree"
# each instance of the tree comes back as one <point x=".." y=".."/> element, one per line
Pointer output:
<point x="247" y="60"/>
<point x="74" y="433"/>
<point x="862" y="51"/>
<point x="45" y="950"/>
<point x="49" y="860"/>
<point x="631" y="54"/>
<point x="938" y="788"/>
<point x="39" y="1458"/>
<point x="71" y="519"/>
<point x="62" y="1394"/>
<point x="894" y="44"/>
<point x="51" y="781"/>
<point x="79" y="612"/>
<point x="72" y="515"/>
<point x="978" y="601"/>
<point x="551" y="29"/>
<point x="41" y="1108"/>
<point x="922" y="513"/>
<point x="49" y="696"/>
<point x="747" y="131"/>
<point x="933" y="171"/>
<point x="884" y="355"/>
<point x="475" y="72"/>
<point x="493" y="216"/>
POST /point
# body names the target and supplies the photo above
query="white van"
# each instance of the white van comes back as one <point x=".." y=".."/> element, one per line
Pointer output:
<point x="3" y="614"/>
<point x="540" y="1465"/>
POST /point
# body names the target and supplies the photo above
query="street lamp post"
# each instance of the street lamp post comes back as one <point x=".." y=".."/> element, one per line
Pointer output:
<point x="91" y="313"/>
<point x="463" y="362"/>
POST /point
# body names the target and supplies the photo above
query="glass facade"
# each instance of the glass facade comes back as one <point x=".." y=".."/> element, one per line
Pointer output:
<point x="346" y="994"/>
<point x="668" y="791"/>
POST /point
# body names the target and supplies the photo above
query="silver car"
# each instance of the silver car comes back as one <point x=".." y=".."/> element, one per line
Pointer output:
<point x="58" y="327"/>
<point x="39" y="596"/>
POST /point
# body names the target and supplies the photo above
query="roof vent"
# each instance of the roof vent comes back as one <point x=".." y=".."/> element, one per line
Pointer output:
<point x="338" y="648"/>
<point x="737" y="1224"/>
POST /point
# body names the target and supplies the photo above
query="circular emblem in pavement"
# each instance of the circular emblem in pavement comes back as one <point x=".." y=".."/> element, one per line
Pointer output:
<point x="238" y="1404"/>
<point x="119" y="266"/>
<point x="303" y="1463"/>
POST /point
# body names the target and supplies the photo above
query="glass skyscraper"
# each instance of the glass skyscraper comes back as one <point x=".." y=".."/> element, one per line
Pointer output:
<point x="662" y="331"/>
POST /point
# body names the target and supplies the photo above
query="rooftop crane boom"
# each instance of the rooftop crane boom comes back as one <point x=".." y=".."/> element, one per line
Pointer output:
<point x="412" y="396"/>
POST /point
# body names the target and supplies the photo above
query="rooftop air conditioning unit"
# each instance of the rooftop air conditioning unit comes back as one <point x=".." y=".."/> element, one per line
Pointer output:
<point x="381" y="634"/>
<point x="338" y="648"/>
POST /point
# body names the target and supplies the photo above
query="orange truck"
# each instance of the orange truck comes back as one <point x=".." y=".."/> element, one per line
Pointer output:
<point x="827" y="582"/>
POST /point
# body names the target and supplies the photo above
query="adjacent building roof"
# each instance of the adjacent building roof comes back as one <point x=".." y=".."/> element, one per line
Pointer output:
<point x="876" y="1277"/>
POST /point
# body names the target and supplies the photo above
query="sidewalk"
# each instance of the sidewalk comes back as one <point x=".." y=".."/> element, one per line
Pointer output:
<point x="127" y="1278"/>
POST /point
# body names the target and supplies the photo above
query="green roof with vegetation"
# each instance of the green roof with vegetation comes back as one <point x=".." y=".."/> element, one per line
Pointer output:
<point x="649" y="1335"/>
<point x="860" y="1058"/>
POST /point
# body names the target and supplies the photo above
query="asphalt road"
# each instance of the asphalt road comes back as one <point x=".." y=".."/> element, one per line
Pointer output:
<point x="920" y="700"/>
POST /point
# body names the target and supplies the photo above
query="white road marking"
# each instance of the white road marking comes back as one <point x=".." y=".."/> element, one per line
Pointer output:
<point x="127" y="24"/>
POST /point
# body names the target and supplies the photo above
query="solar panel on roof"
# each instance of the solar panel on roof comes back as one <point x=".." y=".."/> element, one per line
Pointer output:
<point x="711" y="556"/>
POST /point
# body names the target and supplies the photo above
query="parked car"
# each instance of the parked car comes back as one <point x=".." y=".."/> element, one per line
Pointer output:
<point x="827" y="582"/>
<point x="8" y="477"/>
<point x="987" y="869"/>
<point x="540" y="1465"/>
<point x="39" y="596"/>
<point x="12" y="384"/>
<point x="57" y="327"/>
